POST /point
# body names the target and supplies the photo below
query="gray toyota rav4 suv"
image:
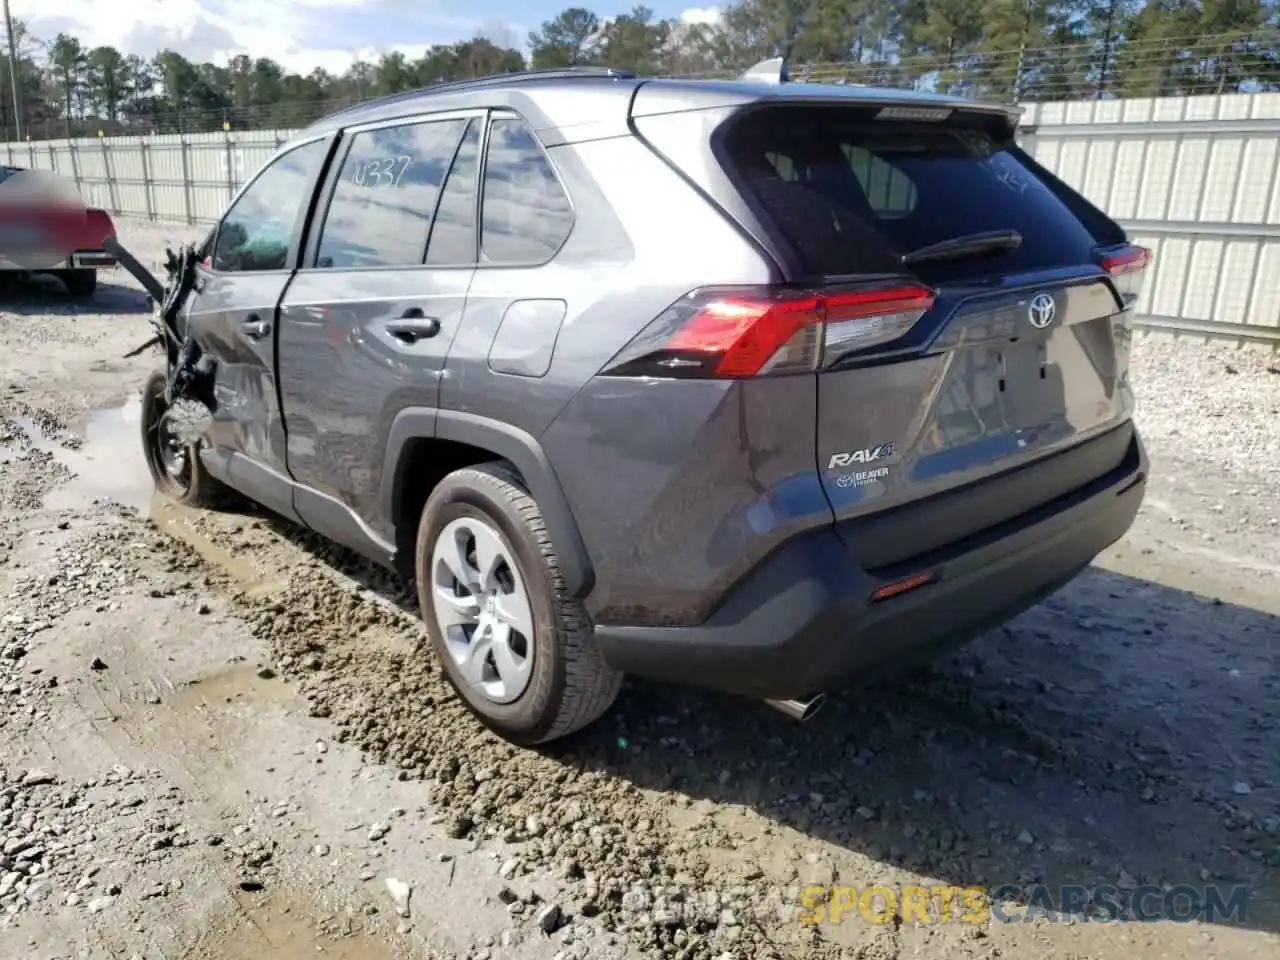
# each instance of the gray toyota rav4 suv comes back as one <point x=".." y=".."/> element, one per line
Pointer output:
<point x="758" y="386"/>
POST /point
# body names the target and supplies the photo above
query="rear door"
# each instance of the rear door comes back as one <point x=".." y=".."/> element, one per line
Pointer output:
<point x="368" y="320"/>
<point x="1020" y="351"/>
<point x="231" y="314"/>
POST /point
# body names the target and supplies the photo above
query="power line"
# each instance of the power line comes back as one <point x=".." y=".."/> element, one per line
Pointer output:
<point x="1081" y="69"/>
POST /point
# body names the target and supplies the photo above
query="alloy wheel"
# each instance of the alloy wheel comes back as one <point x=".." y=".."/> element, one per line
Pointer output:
<point x="482" y="609"/>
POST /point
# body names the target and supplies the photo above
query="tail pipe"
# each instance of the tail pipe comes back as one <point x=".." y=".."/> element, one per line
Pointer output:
<point x="801" y="710"/>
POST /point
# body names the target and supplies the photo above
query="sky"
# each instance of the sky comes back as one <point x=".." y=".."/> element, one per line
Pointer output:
<point x="304" y="34"/>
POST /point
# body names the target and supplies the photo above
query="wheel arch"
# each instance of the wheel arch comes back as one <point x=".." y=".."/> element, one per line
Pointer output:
<point x="468" y="437"/>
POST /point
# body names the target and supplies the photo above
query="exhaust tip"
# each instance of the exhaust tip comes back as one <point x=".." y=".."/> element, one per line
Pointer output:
<point x="800" y="710"/>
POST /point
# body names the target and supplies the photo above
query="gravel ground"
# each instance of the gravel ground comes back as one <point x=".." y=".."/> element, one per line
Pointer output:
<point x="220" y="738"/>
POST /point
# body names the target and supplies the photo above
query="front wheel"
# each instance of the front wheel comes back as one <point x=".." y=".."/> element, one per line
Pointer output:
<point x="175" y="468"/>
<point x="515" y="647"/>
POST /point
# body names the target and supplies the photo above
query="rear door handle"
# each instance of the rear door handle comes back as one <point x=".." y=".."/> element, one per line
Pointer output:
<point x="254" y="327"/>
<point x="413" y="326"/>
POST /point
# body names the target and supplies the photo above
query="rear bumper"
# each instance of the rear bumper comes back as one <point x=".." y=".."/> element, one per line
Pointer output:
<point x="91" y="260"/>
<point x="802" y="622"/>
<point x="79" y="260"/>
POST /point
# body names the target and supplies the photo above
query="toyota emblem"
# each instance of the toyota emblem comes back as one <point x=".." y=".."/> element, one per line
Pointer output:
<point x="1042" y="310"/>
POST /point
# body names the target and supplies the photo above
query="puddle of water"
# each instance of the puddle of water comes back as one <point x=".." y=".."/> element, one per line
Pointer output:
<point x="237" y="684"/>
<point x="280" y="931"/>
<point x="108" y="464"/>
<point x="178" y="522"/>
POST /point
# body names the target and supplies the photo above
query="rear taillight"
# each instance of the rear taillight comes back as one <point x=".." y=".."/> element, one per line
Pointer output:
<point x="734" y="332"/>
<point x="1127" y="266"/>
<point x="99" y="227"/>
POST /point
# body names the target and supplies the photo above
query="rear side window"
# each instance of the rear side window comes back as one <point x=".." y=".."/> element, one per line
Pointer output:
<point x="852" y="194"/>
<point x="526" y="214"/>
<point x="385" y="195"/>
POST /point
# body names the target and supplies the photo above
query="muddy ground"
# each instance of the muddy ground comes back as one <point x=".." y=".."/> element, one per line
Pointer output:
<point x="220" y="739"/>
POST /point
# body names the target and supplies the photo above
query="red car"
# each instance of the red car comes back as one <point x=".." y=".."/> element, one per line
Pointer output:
<point x="45" y="228"/>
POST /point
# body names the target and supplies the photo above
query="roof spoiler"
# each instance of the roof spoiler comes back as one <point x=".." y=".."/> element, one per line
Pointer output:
<point x="769" y="71"/>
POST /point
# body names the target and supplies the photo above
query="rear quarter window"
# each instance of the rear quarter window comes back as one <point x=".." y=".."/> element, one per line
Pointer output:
<point x="526" y="213"/>
<point x="851" y="194"/>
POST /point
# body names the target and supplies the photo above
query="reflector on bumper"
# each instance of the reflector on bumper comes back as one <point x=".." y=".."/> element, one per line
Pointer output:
<point x="88" y="260"/>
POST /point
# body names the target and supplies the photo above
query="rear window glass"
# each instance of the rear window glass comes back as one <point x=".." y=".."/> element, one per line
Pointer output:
<point x="852" y="194"/>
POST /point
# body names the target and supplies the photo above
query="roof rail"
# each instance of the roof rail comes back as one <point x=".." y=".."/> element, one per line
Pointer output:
<point x="769" y="71"/>
<point x="517" y="76"/>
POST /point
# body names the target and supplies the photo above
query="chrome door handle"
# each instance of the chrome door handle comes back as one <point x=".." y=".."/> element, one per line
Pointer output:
<point x="410" y="329"/>
<point x="255" y="328"/>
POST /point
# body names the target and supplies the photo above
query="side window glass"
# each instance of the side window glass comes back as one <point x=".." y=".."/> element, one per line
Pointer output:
<point x="453" y="235"/>
<point x="526" y="215"/>
<point x="255" y="232"/>
<point x="784" y="165"/>
<point x="385" y="195"/>
<point x="889" y="191"/>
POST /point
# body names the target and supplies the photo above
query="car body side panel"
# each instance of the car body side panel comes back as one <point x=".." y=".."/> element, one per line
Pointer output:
<point x="627" y="258"/>
<point x="675" y="486"/>
<point x="247" y="418"/>
<point x="682" y="486"/>
<point x="247" y="441"/>
<point x="345" y="376"/>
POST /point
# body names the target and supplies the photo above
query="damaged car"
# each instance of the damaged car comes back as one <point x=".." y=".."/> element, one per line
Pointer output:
<point x="764" y="387"/>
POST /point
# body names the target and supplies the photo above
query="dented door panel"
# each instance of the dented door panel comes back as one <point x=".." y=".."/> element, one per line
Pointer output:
<point x="232" y="318"/>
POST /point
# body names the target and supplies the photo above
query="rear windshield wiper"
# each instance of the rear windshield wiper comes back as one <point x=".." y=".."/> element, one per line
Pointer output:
<point x="969" y="245"/>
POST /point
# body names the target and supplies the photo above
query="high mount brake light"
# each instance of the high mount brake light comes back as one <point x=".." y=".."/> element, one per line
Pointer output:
<point x="756" y="331"/>
<point x="1127" y="266"/>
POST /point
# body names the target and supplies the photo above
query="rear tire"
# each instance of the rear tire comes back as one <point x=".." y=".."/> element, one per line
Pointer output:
<point x="79" y="283"/>
<point x="176" y="470"/>
<point x="526" y="689"/>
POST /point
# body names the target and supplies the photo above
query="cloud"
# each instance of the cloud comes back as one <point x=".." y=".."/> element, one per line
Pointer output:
<point x="137" y="26"/>
<point x="299" y="34"/>
<point x="704" y="15"/>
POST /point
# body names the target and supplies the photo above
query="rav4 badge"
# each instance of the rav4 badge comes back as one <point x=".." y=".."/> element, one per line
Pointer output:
<point x="866" y="455"/>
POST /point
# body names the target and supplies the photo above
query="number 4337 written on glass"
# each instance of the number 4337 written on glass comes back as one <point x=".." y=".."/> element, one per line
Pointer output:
<point x="381" y="172"/>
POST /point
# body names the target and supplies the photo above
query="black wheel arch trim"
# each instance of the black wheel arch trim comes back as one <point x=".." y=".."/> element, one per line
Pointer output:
<point x="509" y="443"/>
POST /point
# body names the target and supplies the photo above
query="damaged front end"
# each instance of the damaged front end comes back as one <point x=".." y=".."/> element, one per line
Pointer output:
<point x="189" y="398"/>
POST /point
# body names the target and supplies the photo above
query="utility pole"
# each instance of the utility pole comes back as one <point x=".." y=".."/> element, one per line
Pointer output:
<point x="13" y="73"/>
